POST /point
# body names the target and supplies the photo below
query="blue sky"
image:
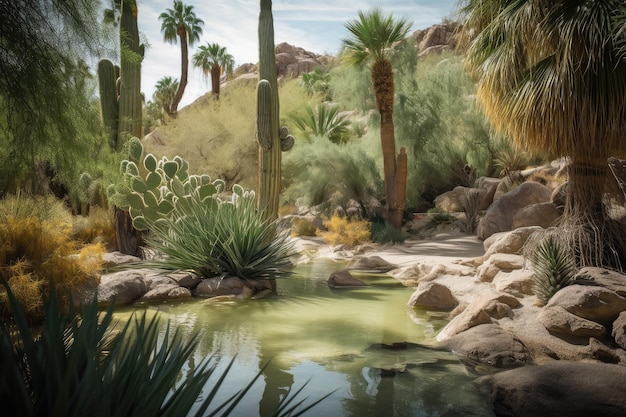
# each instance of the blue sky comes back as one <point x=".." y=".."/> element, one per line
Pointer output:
<point x="317" y="26"/>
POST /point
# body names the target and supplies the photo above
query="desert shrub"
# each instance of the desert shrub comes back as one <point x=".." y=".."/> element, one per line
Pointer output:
<point x="326" y="174"/>
<point x="317" y="82"/>
<point x="195" y="226"/>
<point x="302" y="227"/>
<point x="76" y="365"/>
<point x="97" y="227"/>
<point x="38" y="249"/>
<point x="554" y="267"/>
<point x="470" y="200"/>
<point x="345" y="231"/>
<point x="352" y="87"/>
<point x="382" y="232"/>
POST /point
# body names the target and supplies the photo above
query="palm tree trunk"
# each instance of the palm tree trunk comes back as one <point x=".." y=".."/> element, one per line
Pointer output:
<point x="594" y="236"/>
<point x="184" y="65"/>
<point x="395" y="179"/>
<point x="216" y="72"/>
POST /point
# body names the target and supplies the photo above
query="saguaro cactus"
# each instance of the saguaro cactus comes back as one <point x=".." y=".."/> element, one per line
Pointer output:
<point x="130" y="123"/>
<point x="107" y="79"/>
<point x="271" y="137"/>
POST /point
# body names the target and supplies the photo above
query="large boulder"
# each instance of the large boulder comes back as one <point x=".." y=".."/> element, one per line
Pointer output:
<point x="592" y="303"/>
<point x="433" y="296"/>
<point x="560" y="322"/>
<point x="601" y="277"/>
<point x="122" y="287"/>
<point x="558" y="389"/>
<point x="213" y="287"/>
<point x="499" y="216"/>
<point x="480" y="311"/>
<point x="489" y="344"/>
<point x="541" y="214"/>
<point x="518" y="282"/>
<point x="344" y="279"/>
<point x="508" y="242"/>
<point x="453" y="201"/>
<point x="619" y="330"/>
<point x="292" y="61"/>
<point x="499" y="262"/>
<point x="372" y="263"/>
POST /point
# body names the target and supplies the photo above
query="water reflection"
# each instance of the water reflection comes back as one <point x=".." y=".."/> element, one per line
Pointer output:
<point x="363" y="344"/>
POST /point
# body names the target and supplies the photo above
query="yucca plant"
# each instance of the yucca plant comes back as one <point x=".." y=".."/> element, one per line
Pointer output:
<point x="75" y="365"/>
<point x="554" y="267"/>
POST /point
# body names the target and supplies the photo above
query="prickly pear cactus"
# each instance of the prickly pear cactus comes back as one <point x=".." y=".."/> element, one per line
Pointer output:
<point x="154" y="189"/>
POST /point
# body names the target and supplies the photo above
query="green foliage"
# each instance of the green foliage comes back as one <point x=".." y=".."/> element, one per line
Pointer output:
<point x="322" y="172"/>
<point x="44" y="92"/>
<point x="554" y="267"/>
<point x="382" y="232"/>
<point x="76" y="365"/>
<point x="317" y="82"/>
<point x="324" y="121"/>
<point x="39" y="249"/>
<point x="195" y="226"/>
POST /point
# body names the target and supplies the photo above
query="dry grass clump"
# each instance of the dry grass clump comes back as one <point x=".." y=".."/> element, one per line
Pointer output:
<point x="95" y="228"/>
<point x="37" y="248"/>
<point x="343" y="231"/>
<point x="302" y="227"/>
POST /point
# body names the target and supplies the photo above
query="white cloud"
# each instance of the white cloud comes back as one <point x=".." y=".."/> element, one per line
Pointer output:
<point x="317" y="27"/>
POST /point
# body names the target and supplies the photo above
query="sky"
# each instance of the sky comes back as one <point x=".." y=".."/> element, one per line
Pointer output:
<point x="317" y="26"/>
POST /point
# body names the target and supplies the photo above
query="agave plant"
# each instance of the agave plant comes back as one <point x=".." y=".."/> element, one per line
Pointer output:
<point x="77" y="366"/>
<point x="324" y="121"/>
<point x="554" y="266"/>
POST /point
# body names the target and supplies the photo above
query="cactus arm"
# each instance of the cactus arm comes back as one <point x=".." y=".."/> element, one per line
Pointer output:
<point x="107" y="83"/>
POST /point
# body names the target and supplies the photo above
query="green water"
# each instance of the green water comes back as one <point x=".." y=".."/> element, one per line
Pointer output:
<point x="337" y="340"/>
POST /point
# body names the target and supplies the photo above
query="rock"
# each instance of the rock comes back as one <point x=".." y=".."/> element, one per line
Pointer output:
<point x="499" y="262"/>
<point x="480" y="311"/>
<point x="371" y="263"/>
<point x="559" y="321"/>
<point x="518" y="282"/>
<point x="436" y="35"/>
<point x="452" y="201"/>
<point x="491" y="345"/>
<point x="499" y="216"/>
<point x="601" y="277"/>
<point x="292" y="61"/>
<point x="344" y="279"/>
<point x="212" y="287"/>
<point x="541" y="214"/>
<point x="111" y="259"/>
<point x="508" y="242"/>
<point x="432" y="295"/>
<point x="558" y="389"/>
<point x="619" y="330"/>
<point x="604" y="353"/>
<point x="164" y="292"/>
<point x="185" y="279"/>
<point x="592" y="303"/>
<point x="122" y="287"/>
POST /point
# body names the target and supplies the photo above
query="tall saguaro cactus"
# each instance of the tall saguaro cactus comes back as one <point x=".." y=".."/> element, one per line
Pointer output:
<point x="130" y="123"/>
<point x="121" y="107"/>
<point x="271" y="137"/>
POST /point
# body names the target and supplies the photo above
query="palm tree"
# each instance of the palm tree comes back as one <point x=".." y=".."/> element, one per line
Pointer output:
<point x="181" y="22"/>
<point x="214" y="60"/>
<point x="372" y="37"/>
<point x="164" y="93"/>
<point x="550" y="75"/>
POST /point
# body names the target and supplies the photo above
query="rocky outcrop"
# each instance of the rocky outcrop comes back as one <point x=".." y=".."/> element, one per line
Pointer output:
<point x="435" y="39"/>
<point x="371" y="264"/>
<point x="558" y="389"/>
<point x="499" y="217"/>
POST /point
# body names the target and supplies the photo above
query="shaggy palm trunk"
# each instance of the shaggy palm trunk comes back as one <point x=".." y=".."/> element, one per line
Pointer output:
<point x="596" y="238"/>
<point x="184" y="72"/>
<point x="395" y="170"/>
<point x="216" y="72"/>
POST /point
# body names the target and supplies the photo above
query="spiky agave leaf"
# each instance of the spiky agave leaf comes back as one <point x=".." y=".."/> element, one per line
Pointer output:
<point x="554" y="266"/>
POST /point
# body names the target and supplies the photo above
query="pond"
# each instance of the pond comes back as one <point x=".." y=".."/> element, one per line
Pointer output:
<point x="363" y="345"/>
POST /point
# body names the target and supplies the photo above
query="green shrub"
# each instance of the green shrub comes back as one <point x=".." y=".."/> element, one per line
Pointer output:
<point x="195" y="226"/>
<point x="323" y="173"/>
<point x="75" y="365"/>
<point x="554" y="267"/>
<point x="324" y="121"/>
<point x="382" y="232"/>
